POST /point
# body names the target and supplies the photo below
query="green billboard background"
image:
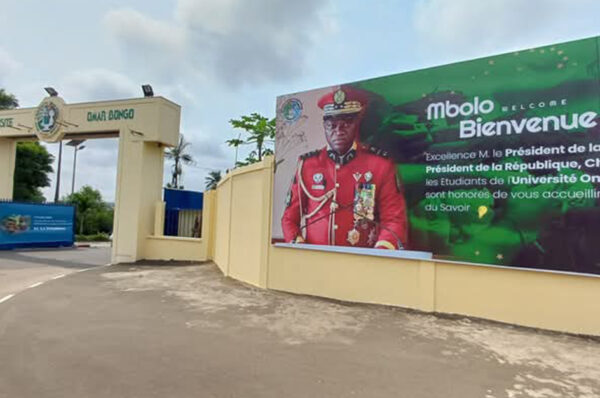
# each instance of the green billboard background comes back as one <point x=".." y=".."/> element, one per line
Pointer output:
<point x="499" y="212"/>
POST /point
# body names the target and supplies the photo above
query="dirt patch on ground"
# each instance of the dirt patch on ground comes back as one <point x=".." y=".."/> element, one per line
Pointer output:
<point x="549" y="365"/>
<point x="293" y="319"/>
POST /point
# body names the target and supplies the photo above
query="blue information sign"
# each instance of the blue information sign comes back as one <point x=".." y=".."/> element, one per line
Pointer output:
<point x="36" y="225"/>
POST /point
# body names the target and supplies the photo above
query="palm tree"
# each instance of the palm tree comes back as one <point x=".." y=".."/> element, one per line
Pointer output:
<point x="180" y="157"/>
<point x="212" y="179"/>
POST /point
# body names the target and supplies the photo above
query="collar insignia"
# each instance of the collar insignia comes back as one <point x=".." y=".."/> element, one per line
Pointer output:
<point x="341" y="159"/>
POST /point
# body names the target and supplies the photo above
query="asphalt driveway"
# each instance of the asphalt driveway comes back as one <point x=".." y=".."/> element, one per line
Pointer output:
<point x="20" y="269"/>
<point x="186" y="331"/>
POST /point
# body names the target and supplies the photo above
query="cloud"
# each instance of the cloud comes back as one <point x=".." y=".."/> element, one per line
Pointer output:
<point x="236" y="41"/>
<point x="7" y="65"/>
<point x="96" y="166"/>
<point x="97" y="84"/>
<point x="208" y="154"/>
<point x="465" y="28"/>
<point x="154" y="46"/>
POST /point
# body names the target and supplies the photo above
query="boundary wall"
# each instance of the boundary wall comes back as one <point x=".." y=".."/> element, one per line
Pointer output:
<point x="237" y="238"/>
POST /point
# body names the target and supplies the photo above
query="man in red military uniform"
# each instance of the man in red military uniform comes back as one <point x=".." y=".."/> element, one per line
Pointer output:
<point x="347" y="193"/>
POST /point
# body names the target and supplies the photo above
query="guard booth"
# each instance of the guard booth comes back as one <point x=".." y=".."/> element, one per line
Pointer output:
<point x="143" y="126"/>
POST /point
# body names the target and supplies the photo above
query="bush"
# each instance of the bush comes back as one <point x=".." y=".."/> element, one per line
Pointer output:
<point x="101" y="237"/>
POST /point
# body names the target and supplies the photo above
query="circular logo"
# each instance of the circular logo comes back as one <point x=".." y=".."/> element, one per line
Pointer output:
<point x="48" y="118"/>
<point x="291" y="110"/>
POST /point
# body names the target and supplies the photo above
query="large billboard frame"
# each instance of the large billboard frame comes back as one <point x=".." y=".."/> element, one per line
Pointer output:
<point x="564" y="80"/>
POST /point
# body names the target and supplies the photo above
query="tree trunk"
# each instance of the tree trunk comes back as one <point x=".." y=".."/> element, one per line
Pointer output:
<point x="174" y="175"/>
<point x="260" y="144"/>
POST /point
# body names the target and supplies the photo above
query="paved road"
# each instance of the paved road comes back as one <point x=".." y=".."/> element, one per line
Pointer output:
<point x="143" y="331"/>
<point x="20" y="269"/>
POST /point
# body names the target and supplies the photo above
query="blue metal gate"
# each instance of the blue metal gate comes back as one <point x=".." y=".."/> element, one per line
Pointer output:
<point x="183" y="213"/>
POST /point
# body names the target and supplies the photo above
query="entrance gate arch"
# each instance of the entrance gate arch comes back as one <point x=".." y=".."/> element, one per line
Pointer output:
<point x="144" y="126"/>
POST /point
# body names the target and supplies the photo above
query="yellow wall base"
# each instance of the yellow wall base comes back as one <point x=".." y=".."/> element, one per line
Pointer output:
<point x="241" y="248"/>
<point x="175" y="248"/>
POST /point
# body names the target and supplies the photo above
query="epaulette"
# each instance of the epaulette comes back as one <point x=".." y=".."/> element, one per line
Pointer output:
<point x="310" y="154"/>
<point x="377" y="151"/>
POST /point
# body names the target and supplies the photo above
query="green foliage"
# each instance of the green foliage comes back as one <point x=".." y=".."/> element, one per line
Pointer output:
<point x="100" y="237"/>
<point x="93" y="214"/>
<point x="212" y="179"/>
<point x="260" y="133"/>
<point x="32" y="166"/>
<point x="180" y="157"/>
<point x="7" y="101"/>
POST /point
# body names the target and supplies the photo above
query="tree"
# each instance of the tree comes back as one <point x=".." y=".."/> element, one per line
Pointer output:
<point x="261" y="133"/>
<point x="180" y="157"/>
<point x="7" y="101"/>
<point x="212" y="179"/>
<point x="94" y="215"/>
<point x="32" y="165"/>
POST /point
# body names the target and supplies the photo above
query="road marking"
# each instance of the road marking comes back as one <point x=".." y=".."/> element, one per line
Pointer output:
<point x="6" y="298"/>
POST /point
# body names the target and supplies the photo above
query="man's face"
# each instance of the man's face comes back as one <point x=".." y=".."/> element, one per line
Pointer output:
<point x="340" y="131"/>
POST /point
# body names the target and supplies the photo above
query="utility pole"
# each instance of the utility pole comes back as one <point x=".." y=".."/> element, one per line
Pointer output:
<point x="76" y="144"/>
<point x="77" y="148"/>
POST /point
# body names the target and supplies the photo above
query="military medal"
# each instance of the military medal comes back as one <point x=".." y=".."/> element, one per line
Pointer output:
<point x="364" y="201"/>
<point x="353" y="236"/>
<point x="319" y="182"/>
<point x="364" y="209"/>
<point x="368" y="176"/>
<point x="372" y="237"/>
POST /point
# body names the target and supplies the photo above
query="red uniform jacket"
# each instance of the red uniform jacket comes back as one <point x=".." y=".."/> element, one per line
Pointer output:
<point x="321" y="204"/>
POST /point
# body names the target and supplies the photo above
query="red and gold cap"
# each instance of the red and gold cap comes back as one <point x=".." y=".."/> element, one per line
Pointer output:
<point x="342" y="101"/>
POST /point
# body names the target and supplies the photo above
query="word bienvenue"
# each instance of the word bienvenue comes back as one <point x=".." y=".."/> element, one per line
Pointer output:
<point x="477" y="128"/>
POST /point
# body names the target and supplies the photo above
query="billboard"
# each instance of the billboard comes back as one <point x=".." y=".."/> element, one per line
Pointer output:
<point x="36" y="225"/>
<point x="495" y="161"/>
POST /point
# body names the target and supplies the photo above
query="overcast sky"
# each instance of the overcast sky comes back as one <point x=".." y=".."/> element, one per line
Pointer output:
<point x="220" y="59"/>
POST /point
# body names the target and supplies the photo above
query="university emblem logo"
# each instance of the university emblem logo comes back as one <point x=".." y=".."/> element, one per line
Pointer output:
<point x="291" y="110"/>
<point x="48" y="119"/>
